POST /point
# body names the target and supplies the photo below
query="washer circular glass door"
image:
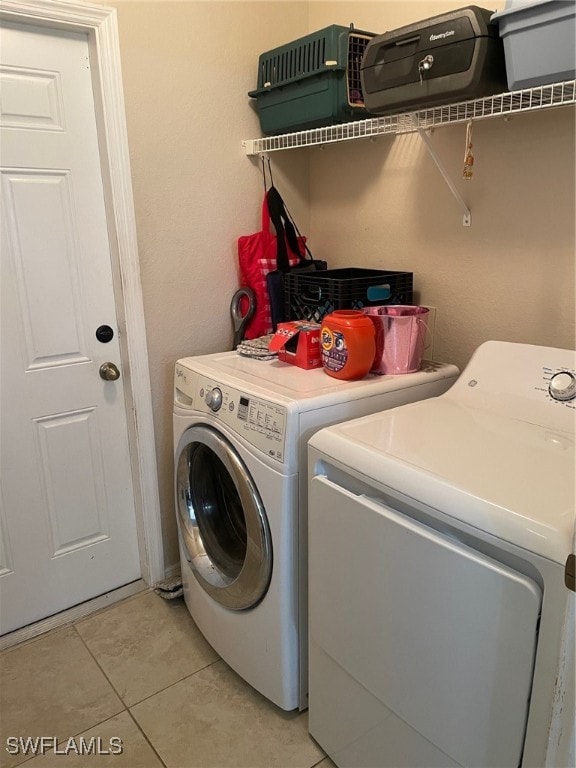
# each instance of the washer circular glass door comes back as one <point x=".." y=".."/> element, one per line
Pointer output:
<point x="221" y="520"/>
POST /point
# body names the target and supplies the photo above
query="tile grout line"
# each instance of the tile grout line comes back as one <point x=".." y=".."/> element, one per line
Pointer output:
<point x="76" y="735"/>
<point x="127" y="706"/>
<point x="146" y="698"/>
<point x="110" y="683"/>
<point x="176" y="682"/>
<point x="152" y="747"/>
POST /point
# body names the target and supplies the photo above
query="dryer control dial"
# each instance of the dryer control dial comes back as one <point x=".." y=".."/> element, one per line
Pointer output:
<point x="214" y="399"/>
<point x="562" y="386"/>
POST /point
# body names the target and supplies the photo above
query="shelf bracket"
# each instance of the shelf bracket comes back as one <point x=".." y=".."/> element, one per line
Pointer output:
<point x="249" y="146"/>
<point x="467" y="219"/>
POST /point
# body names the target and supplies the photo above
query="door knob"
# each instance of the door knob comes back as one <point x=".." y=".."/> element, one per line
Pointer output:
<point x="109" y="372"/>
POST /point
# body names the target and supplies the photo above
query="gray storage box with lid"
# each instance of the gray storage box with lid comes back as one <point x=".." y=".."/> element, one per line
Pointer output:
<point x="539" y="41"/>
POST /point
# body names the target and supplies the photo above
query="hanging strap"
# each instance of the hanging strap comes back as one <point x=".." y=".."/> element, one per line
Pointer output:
<point x="287" y="215"/>
<point x="285" y="230"/>
<point x="307" y="250"/>
<point x="264" y="173"/>
<point x="265" y="215"/>
<point x="265" y="207"/>
<point x="274" y="208"/>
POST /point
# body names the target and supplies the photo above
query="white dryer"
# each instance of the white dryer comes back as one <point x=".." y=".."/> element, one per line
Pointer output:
<point x="241" y="428"/>
<point x="442" y="573"/>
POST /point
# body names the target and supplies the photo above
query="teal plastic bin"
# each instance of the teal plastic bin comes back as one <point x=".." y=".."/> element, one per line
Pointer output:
<point x="312" y="81"/>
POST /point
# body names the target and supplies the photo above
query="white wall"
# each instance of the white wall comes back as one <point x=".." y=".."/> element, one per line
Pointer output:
<point x="187" y="68"/>
<point x="384" y="204"/>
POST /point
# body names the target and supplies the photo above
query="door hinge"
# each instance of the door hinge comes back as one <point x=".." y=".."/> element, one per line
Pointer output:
<point x="570" y="572"/>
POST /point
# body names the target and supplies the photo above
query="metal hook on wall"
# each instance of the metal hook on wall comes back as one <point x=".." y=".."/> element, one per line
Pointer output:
<point x="266" y="160"/>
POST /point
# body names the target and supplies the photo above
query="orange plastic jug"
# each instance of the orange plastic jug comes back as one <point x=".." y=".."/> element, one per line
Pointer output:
<point x="347" y="337"/>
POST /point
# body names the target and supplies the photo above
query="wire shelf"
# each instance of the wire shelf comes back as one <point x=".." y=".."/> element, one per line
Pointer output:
<point x="527" y="100"/>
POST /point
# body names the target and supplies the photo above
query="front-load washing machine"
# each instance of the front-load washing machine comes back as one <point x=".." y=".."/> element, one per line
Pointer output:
<point x="241" y="428"/>
<point x="443" y="531"/>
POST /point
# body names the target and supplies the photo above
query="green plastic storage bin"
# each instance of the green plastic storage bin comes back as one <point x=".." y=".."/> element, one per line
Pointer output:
<point x="312" y="81"/>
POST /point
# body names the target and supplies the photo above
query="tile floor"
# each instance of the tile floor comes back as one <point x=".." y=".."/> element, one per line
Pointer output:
<point x="141" y="671"/>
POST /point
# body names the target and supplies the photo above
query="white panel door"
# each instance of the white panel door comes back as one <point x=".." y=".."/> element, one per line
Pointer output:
<point x="67" y="517"/>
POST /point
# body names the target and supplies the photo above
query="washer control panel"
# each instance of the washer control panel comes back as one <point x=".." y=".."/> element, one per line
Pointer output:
<point x="260" y="422"/>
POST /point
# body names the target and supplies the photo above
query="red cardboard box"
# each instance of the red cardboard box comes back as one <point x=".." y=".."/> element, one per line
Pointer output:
<point x="298" y="343"/>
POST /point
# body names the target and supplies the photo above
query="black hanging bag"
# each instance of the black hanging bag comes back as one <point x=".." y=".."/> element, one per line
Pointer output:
<point x="288" y="236"/>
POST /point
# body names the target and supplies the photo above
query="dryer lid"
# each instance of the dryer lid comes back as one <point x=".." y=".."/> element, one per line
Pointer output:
<point x="507" y="477"/>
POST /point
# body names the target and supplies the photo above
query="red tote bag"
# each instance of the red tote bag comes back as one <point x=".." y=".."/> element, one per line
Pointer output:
<point x="257" y="257"/>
